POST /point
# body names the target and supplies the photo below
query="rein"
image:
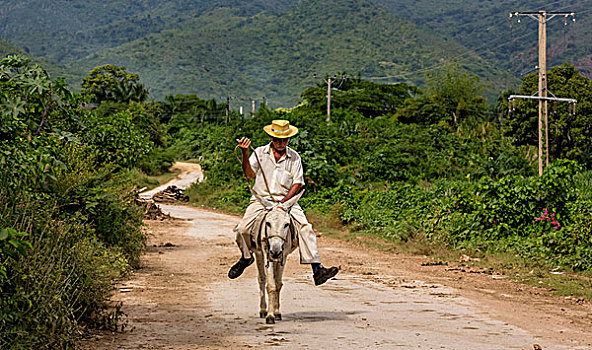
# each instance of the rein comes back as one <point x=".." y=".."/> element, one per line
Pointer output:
<point x="260" y="199"/>
<point x="262" y="172"/>
<point x="266" y="237"/>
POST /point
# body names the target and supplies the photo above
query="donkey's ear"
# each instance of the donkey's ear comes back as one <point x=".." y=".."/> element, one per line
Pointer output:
<point x="290" y="202"/>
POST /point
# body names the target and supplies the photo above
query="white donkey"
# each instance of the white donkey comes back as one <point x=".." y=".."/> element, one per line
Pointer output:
<point x="273" y="240"/>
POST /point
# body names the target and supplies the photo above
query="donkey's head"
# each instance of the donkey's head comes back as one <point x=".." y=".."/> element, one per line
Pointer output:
<point x="277" y="233"/>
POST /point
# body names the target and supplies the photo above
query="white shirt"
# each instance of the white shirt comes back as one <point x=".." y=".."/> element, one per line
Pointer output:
<point x="280" y="175"/>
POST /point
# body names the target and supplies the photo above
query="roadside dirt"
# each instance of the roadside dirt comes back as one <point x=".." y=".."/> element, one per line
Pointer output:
<point x="182" y="299"/>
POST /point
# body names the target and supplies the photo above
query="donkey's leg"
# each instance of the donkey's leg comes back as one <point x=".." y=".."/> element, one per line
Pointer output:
<point x="261" y="280"/>
<point x="278" y="272"/>
<point x="271" y="293"/>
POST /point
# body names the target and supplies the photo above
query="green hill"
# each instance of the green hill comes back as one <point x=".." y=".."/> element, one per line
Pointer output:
<point x="54" y="70"/>
<point x="223" y="52"/>
<point x="64" y="30"/>
<point x="269" y="49"/>
<point x="486" y="27"/>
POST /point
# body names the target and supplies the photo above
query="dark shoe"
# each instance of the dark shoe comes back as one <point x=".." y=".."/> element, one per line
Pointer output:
<point x="238" y="268"/>
<point x="323" y="274"/>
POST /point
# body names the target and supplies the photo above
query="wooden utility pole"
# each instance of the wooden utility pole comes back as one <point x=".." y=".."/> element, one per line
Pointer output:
<point x="328" y="101"/>
<point x="329" y="81"/>
<point x="227" y="109"/>
<point x="543" y="17"/>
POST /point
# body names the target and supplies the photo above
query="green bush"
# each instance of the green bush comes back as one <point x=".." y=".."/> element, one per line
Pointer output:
<point x="60" y="278"/>
<point x="69" y="228"/>
<point x="538" y="217"/>
<point x="116" y="139"/>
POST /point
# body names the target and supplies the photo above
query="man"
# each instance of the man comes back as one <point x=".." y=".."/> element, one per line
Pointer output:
<point x="283" y="170"/>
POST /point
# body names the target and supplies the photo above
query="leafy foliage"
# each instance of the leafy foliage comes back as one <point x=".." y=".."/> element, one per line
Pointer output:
<point x="414" y="174"/>
<point x="354" y="94"/>
<point x="270" y="48"/>
<point x="569" y="135"/>
<point x="68" y="224"/>
<point x="113" y="83"/>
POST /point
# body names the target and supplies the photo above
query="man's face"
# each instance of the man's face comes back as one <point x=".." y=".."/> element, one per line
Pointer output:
<point x="279" y="144"/>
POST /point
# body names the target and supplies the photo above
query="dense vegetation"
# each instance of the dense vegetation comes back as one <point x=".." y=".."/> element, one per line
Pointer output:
<point x="486" y="29"/>
<point x="269" y="49"/>
<point x="437" y="165"/>
<point x="241" y="49"/>
<point x="69" y="226"/>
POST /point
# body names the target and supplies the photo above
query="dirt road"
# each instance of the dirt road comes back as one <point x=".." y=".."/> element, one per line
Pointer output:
<point x="182" y="299"/>
<point x="188" y="174"/>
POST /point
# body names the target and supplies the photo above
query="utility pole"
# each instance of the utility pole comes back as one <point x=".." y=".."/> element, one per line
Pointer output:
<point x="543" y="122"/>
<point x="328" y="101"/>
<point x="227" y="109"/>
<point x="329" y="81"/>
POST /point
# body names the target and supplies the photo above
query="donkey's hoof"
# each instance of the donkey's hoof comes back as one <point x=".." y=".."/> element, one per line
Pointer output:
<point x="262" y="314"/>
<point x="270" y="320"/>
<point x="278" y="317"/>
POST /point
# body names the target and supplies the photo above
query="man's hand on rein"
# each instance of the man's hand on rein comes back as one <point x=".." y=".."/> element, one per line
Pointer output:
<point x="244" y="143"/>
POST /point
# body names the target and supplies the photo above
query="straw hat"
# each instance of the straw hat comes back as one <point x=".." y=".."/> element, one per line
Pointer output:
<point x="280" y="129"/>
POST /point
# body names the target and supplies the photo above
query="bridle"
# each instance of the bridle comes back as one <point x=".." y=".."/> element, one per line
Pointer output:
<point x="267" y="236"/>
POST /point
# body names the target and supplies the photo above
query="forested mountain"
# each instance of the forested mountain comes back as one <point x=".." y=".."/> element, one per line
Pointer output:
<point x="222" y="53"/>
<point x="66" y="30"/>
<point x="485" y="27"/>
<point x="269" y="49"/>
<point x="7" y="48"/>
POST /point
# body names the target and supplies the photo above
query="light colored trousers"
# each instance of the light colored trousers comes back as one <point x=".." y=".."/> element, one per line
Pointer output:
<point x="307" y="240"/>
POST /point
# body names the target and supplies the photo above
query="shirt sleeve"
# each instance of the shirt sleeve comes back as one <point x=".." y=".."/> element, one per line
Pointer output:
<point x="297" y="172"/>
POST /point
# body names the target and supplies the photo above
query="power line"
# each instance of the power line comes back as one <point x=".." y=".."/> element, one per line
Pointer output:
<point x="462" y="57"/>
<point x="458" y="57"/>
<point x="542" y="17"/>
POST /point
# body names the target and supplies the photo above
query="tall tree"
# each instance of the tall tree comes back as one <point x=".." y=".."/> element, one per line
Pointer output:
<point x="113" y="83"/>
<point x="453" y="95"/>
<point x="570" y="135"/>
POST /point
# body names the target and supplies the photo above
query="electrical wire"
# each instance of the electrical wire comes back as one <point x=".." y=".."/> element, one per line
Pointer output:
<point x="462" y="57"/>
<point x="547" y="5"/>
<point x="458" y="57"/>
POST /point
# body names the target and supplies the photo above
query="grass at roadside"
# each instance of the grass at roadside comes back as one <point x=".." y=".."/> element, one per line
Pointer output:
<point x="560" y="281"/>
<point x="225" y="197"/>
<point x="140" y="179"/>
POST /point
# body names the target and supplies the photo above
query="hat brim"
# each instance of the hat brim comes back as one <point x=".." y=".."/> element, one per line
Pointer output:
<point x="293" y="131"/>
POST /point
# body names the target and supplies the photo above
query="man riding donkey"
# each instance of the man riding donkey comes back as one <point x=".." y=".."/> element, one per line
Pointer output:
<point x="277" y="168"/>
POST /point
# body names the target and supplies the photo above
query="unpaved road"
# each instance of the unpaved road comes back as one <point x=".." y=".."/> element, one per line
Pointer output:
<point x="182" y="299"/>
<point x="188" y="174"/>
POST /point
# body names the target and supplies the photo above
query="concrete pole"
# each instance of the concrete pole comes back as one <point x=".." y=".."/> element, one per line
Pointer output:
<point x="328" y="101"/>
<point x="544" y="70"/>
<point x="542" y="83"/>
<point x="227" y="109"/>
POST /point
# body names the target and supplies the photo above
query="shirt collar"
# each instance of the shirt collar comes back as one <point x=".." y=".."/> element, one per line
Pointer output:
<point x="267" y="150"/>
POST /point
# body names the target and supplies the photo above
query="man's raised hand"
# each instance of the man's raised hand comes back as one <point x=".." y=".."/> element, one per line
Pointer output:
<point x="244" y="143"/>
